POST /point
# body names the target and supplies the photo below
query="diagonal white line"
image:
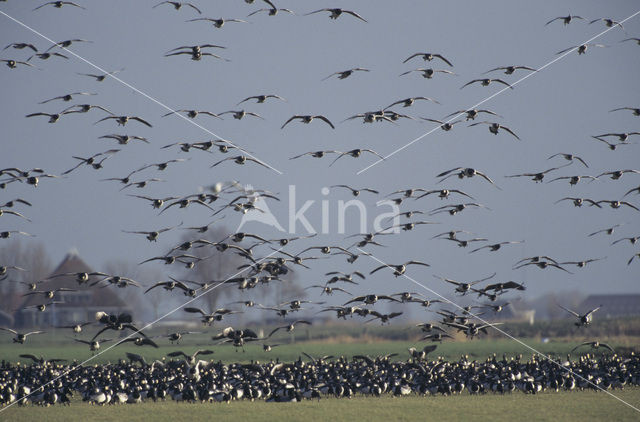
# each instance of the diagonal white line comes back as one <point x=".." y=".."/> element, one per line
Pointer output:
<point x="140" y="330"/>
<point x="494" y="95"/>
<point x="501" y="331"/>
<point x="140" y="92"/>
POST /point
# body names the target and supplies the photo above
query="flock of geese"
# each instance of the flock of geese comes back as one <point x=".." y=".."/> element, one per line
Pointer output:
<point x="267" y="261"/>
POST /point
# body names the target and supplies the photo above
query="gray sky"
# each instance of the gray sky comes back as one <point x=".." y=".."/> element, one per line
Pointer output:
<point x="556" y="110"/>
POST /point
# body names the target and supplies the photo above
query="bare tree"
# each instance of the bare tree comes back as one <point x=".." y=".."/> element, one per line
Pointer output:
<point x="30" y="256"/>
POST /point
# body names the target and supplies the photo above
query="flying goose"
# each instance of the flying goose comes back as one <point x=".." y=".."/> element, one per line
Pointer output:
<point x="20" y="337"/>
<point x="408" y="102"/>
<point x="308" y="119"/>
<point x="428" y="73"/>
<point x="486" y="82"/>
<point x="218" y="23"/>
<point x="355" y="192"/>
<point x="446" y="126"/>
<point x="622" y="137"/>
<point x="607" y="231"/>
<point x="464" y="287"/>
<point x="610" y="23"/>
<point x="289" y="327"/>
<point x="66" y="43"/>
<point x="444" y="193"/>
<point x="634" y="110"/>
<point x="124" y="139"/>
<point x="316" y="154"/>
<point x="370" y="299"/>
<point x="12" y="64"/>
<point x="102" y="77"/>
<point x="152" y="236"/>
<point x="271" y="11"/>
<point x="537" y="177"/>
<point x="383" y="317"/>
<point x="262" y="98"/>
<point x="472" y="114"/>
<point x="239" y="159"/>
<point x="427" y="57"/>
<point x="583" y="320"/>
<point x="636" y="189"/>
<point x="336" y="13"/>
<point x="496" y="246"/>
<point x="355" y="153"/>
<point x="122" y="120"/>
<point x="581" y="49"/>
<point x="52" y="117"/>
<point x="399" y="269"/>
<point x="568" y="157"/>
<point x="343" y="74"/>
<point x="7" y="233"/>
<point x="59" y="4"/>
<point x="508" y="70"/>
<point x="617" y="174"/>
<point x="617" y="204"/>
<point x="594" y="345"/>
<point x="192" y="113"/>
<point x="455" y="208"/>
<point x="495" y="127"/>
<point x="177" y="5"/>
<point x="565" y="19"/>
<point x="2" y="212"/>
<point x="21" y="45"/>
<point x="582" y="264"/>
<point x="611" y="146"/>
<point x="239" y="114"/>
<point x="327" y="289"/>
<point x="209" y="318"/>
<point x="66" y="97"/>
<point x="463" y="172"/>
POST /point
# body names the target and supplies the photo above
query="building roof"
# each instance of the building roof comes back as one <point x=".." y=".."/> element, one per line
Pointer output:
<point x="613" y="304"/>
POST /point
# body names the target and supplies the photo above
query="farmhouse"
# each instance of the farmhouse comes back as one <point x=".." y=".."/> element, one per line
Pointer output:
<point x="77" y="307"/>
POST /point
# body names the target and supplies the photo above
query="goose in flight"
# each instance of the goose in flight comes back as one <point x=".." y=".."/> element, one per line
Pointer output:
<point x="240" y="159"/>
<point x="634" y="110"/>
<point x="20" y="337"/>
<point x="462" y="173"/>
<point x="583" y="320"/>
<point x="582" y="264"/>
<point x="124" y="139"/>
<point x="262" y="98"/>
<point x="66" y="43"/>
<point x="427" y="57"/>
<point x="581" y="48"/>
<point x="610" y="23"/>
<point x="122" y="120"/>
<point x="355" y="153"/>
<point x="578" y="202"/>
<point x="464" y="287"/>
<point x="100" y="78"/>
<point x="569" y="157"/>
<point x="11" y="212"/>
<point x="218" y="23"/>
<point x="611" y="146"/>
<point x="444" y="193"/>
<point x="177" y="5"/>
<point x="539" y="176"/>
<point x="455" y="208"/>
<point x="239" y="114"/>
<point x="21" y="45"/>
<point x="308" y="119"/>
<point x="290" y="327"/>
<point x="45" y="56"/>
<point x="594" y="345"/>
<point x="608" y="231"/>
<point x="59" y="4"/>
<point x="336" y="13"/>
<point x="636" y="189"/>
<point x="383" y="317"/>
<point x="446" y="126"/>
<point x="12" y="64"/>
<point x="565" y="19"/>
<point x="196" y="54"/>
<point x="622" y="137"/>
<point x="472" y="114"/>
<point x="52" y="117"/>
<point x="428" y="73"/>
<point x="508" y="70"/>
<point x="316" y="154"/>
<point x="85" y="108"/>
<point x="408" y="102"/>
<point x="617" y="204"/>
<point x="495" y="127"/>
<point x="617" y="174"/>
<point x="356" y="192"/>
<point x="486" y="82"/>
<point x="272" y="11"/>
<point x="66" y="97"/>
<point x="152" y="236"/>
<point x="573" y="180"/>
<point x="192" y="113"/>
<point x="496" y="246"/>
<point x="343" y="74"/>
<point x="399" y="269"/>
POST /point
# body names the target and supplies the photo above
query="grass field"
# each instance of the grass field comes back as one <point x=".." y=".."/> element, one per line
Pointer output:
<point x="52" y="346"/>
<point x="564" y="406"/>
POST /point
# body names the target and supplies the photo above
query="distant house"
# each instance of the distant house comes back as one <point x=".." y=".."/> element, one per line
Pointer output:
<point x="77" y="307"/>
<point x="612" y="306"/>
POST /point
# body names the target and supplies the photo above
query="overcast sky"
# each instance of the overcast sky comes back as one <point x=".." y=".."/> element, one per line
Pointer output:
<point x="556" y="110"/>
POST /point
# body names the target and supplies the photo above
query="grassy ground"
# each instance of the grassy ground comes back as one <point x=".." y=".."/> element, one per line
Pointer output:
<point x="564" y="406"/>
<point x="50" y="346"/>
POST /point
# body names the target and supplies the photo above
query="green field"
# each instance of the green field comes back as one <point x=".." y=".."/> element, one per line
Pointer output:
<point x="564" y="406"/>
